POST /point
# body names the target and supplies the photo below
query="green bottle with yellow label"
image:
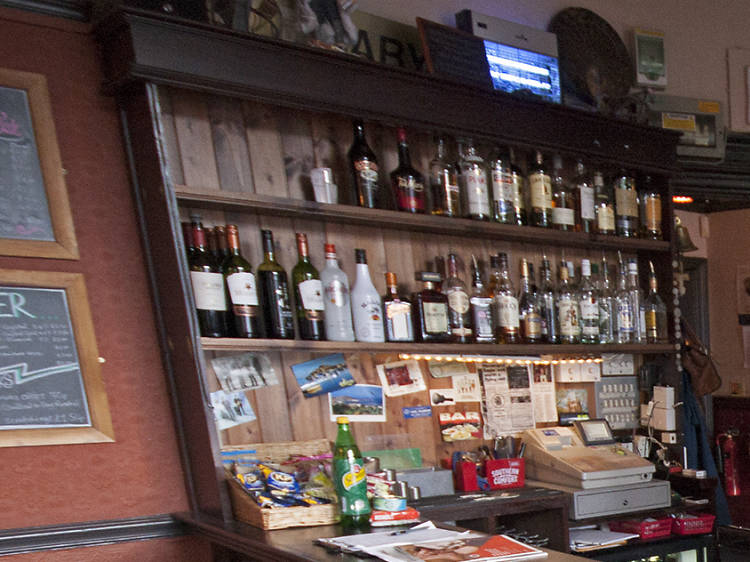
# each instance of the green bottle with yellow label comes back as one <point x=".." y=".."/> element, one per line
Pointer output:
<point x="350" y="479"/>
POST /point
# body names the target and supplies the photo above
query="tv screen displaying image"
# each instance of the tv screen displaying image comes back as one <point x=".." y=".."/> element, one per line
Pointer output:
<point x="517" y="70"/>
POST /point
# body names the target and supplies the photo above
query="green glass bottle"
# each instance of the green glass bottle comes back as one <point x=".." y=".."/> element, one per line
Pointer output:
<point x="350" y="479"/>
<point x="308" y="294"/>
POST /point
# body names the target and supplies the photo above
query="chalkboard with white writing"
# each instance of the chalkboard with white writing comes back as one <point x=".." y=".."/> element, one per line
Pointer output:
<point x="41" y="384"/>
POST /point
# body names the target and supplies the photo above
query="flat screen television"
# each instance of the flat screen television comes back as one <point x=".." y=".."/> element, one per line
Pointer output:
<point x="517" y="70"/>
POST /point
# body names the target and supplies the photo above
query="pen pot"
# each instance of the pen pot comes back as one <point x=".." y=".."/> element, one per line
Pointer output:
<point x="504" y="473"/>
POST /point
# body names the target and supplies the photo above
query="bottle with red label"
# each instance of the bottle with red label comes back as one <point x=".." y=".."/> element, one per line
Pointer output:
<point x="408" y="183"/>
<point x="350" y="479"/>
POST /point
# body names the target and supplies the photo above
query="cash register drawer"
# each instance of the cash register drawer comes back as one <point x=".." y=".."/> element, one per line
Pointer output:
<point x="621" y="499"/>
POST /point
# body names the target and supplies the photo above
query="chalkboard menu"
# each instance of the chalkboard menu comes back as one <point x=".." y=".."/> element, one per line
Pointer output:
<point x="24" y="213"/>
<point x="41" y="384"/>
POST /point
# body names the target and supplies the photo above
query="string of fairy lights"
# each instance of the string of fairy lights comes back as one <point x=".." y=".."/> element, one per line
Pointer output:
<point x="498" y="360"/>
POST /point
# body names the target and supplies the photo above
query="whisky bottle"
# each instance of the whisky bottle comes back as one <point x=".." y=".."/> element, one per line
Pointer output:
<point x="650" y="210"/>
<point x="585" y="196"/>
<point x="588" y="303"/>
<point x="568" y="310"/>
<point x="336" y="299"/>
<point x="481" y="307"/>
<point x="507" y="324"/>
<point x="540" y="192"/>
<point x="656" y="311"/>
<point x="431" y="323"/>
<point x="529" y="309"/>
<point x="364" y="168"/>
<point x="444" y="189"/>
<point x="408" y="183"/>
<point x="459" y="312"/>
<point x="398" y="316"/>
<point x="367" y="308"/>
<point x="563" y="199"/>
<point x="626" y="206"/>
<point x="548" y="302"/>
<point x="474" y="184"/>
<point x="605" y="212"/>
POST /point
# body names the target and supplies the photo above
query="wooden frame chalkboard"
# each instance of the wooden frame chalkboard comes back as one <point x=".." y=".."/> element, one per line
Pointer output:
<point x="35" y="217"/>
<point x="51" y="390"/>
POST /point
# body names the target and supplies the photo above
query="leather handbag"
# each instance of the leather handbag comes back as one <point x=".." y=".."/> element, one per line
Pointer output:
<point x="697" y="361"/>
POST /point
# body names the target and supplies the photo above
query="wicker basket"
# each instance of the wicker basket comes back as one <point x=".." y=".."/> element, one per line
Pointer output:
<point x="246" y="510"/>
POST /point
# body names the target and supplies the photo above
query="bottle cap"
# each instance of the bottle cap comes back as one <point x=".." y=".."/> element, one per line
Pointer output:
<point x="390" y="279"/>
<point x="401" y="134"/>
<point x="342" y="420"/>
<point x="330" y="250"/>
<point x="429" y="276"/>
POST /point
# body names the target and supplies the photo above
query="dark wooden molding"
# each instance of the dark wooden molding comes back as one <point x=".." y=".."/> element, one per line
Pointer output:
<point x="79" y="10"/>
<point x="90" y="533"/>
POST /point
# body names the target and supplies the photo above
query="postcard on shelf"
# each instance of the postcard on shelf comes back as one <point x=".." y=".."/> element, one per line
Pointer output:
<point x="401" y="377"/>
<point x="360" y="403"/>
<point x="323" y="375"/>
<point x="231" y="408"/>
<point x="244" y="371"/>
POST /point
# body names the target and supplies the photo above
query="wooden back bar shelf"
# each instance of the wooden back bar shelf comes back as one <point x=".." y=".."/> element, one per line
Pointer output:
<point x="229" y="124"/>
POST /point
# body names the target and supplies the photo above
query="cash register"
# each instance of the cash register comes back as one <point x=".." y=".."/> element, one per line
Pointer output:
<point x="600" y="476"/>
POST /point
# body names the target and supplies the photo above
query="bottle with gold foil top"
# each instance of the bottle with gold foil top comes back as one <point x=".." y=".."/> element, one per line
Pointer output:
<point x="398" y="316"/>
<point x="626" y="206"/>
<point x="656" y="311"/>
<point x="308" y="293"/>
<point x="241" y="285"/>
<point x="529" y="309"/>
<point x="459" y="312"/>
<point x="650" y="210"/>
<point x="408" y="183"/>
<point x="350" y="479"/>
<point x="540" y="192"/>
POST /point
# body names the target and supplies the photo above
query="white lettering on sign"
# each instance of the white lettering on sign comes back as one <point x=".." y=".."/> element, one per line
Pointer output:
<point x="15" y="302"/>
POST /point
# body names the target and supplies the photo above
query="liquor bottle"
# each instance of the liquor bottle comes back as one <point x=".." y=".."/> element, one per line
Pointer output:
<point x="548" y="301"/>
<point x="626" y="206"/>
<point x="507" y="324"/>
<point x="367" y="309"/>
<point x="503" y="197"/>
<point x="459" y="313"/>
<point x="625" y="324"/>
<point x="563" y="199"/>
<point x="474" y="184"/>
<point x="398" y="317"/>
<point x="336" y="299"/>
<point x="656" y="311"/>
<point x="350" y="479"/>
<point x="529" y="309"/>
<point x="585" y="196"/>
<point x="636" y="298"/>
<point x="589" y="305"/>
<point x="540" y="192"/>
<point x="408" y="184"/>
<point x="431" y="323"/>
<point x="208" y="287"/>
<point x="607" y="306"/>
<point x="241" y="285"/>
<point x="308" y="294"/>
<point x="605" y="212"/>
<point x="274" y="293"/>
<point x="446" y="200"/>
<point x="650" y="210"/>
<point x="364" y="167"/>
<point x="481" y="308"/>
<point x="568" y="310"/>
<point x="518" y="182"/>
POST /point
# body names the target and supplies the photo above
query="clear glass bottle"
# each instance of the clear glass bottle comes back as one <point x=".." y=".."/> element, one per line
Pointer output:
<point x="607" y="306"/>
<point x="243" y="294"/>
<point x="503" y="187"/>
<point x="308" y="294"/>
<point x="563" y="199"/>
<point x="626" y="206"/>
<point x="367" y="309"/>
<point x="364" y="168"/>
<point x="274" y="293"/>
<point x="446" y="200"/>
<point x="431" y="321"/>
<point x="548" y="301"/>
<point x="589" y="305"/>
<point x="507" y="324"/>
<point x="518" y="181"/>
<point x="459" y="312"/>
<point x="540" y="192"/>
<point x="650" y="210"/>
<point x="636" y="298"/>
<point x="605" y="211"/>
<point x="656" y="311"/>
<point x="399" y="325"/>
<point x="407" y="182"/>
<point x="481" y="307"/>
<point x="474" y="186"/>
<point x="350" y="479"/>
<point x="529" y="309"/>
<point x="625" y="324"/>
<point x="337" y="299"/>
<point x="568" y="310"/>
<point x="585" y="197"/>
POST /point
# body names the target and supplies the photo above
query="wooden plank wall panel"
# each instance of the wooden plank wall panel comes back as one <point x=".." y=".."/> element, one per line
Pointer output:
<point x="297" y="144"/>
<point x="230" y="144"/>
<point x="195" y="140"/>
<point x="264" y="146"/>
<point x="169" y="134"/>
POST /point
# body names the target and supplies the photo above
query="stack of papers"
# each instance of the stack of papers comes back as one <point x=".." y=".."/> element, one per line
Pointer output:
<point x="582" y="540"/>
<point x="427" y="542"/>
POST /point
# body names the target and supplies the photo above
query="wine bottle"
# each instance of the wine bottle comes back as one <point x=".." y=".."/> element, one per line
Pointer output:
<point x="626" y="206"/>
<point x="274" y="293"/>
<point x="308" y="294"/>
<point x="222" y="245"/>
<point x="408" y="183"/>
<point x="208" y="287"/>
<point x="563" y="199"/>
<point x="584" y="191"/>
<point x="367" y="308"/>
<point x="540" y="192"/>
<point x="187" y="236"/>
<point x="474" y="184"/>
<point x="481" y="308"/>
<point x="444" y="183"/>
<point x="431" y="322"/>
<point x="337" y="299"/>
<point x="459" y="315"/>
<point x="399" y="325"/>
<point x="243" y="294"/>
<point x="364" y="168"/>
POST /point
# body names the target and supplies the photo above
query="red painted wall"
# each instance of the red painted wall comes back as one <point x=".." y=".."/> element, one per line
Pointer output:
<point x="139" y="474"/>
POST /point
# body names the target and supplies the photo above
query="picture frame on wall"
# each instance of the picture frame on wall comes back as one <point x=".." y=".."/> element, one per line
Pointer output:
<point x="35" y="215"/>
<point x="51" y="389"/>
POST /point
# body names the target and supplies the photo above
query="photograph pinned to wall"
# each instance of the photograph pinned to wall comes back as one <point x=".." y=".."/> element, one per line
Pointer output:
<point x="442" y="369"/>
<point x="572" y="404"/>
<point x="244" y="371"/>
<point x="460" y="426"/>
<point x="323" y="375"/>
<point x="442" y="397"/>
<point x="401" y="377"/>
<point x="231" y="408"/>
<point x="466" y="388"/>
<point x="360" y="403"/>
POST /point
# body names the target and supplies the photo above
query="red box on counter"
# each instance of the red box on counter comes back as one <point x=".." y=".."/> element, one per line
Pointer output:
<point x="465" y="476"/>
<point x="504" y="473"/>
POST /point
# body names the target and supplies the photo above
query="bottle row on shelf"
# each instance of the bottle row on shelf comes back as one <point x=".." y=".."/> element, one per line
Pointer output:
<point x="497" y="190"/>
<point x="592" y="309"/>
